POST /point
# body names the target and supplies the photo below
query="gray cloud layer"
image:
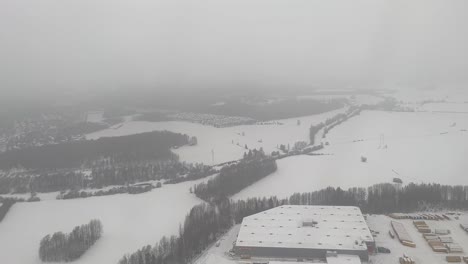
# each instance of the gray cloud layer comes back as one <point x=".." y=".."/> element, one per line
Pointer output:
<point x="96" y="45"/>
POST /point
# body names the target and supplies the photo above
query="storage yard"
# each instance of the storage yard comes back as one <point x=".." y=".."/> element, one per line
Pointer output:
<point x="435" y="238"/>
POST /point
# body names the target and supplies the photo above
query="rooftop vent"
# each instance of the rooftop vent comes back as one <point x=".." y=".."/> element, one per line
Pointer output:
<point x="308" y="222"/>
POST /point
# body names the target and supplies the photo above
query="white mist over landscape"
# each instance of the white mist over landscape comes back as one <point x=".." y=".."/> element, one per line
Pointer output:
<point x="233" y="131"/>
<point x="62" y="48"/>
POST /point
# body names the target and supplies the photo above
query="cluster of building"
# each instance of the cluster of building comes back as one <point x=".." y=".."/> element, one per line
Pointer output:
<point x="43" y="130"/>
<point x="335" y="234"/>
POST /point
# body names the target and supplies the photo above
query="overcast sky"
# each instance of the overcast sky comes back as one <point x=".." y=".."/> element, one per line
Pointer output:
<point x="90" y="46"/>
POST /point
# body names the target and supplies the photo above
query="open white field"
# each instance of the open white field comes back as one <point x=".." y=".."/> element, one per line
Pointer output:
<point x="422" y="253"/>
<point x="417" y="147"/>
<point x="227" y="143"/>
<point x="25" y="196"/>
<point x="446" y="107"/>
<point x="130" y="222"/>
<point x="408" y="94"/>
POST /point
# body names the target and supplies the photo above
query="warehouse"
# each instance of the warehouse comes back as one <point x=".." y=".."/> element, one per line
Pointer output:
<point x="305" y="232"/>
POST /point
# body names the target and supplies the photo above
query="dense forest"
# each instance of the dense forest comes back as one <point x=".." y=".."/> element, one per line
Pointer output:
<point x="256" y="106"/>
<point x="61" y="247"/>
<point x="234" y="178"/>
<point x="146" y="146"/>
<point x="206" y="223"/>
<point x="104" y="174"/>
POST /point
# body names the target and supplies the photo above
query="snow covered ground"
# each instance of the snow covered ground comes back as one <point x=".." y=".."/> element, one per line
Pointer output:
<point x="130" y="222"/>
<point x="219" y="253"/>
<point x="416" y="147"/>
<point x="25" y="196"/>
<point x="446" y="107"/>
<point x="228" y="143"/>
<point x="417" y="96"/>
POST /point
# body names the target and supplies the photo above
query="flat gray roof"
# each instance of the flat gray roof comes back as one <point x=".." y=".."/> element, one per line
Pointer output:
<point x="337" y="227"/>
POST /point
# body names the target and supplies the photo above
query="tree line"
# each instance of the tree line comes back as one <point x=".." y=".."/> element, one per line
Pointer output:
<point x="104" y="173"/>
<point x="331" y="123"/>
<point x="61" y="247"/>
<point x="232" y="179"/>
<point x="207" y="222"/>
<point x="134" y="189"/>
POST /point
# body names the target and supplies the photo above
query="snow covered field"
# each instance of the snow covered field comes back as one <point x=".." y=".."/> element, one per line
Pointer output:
<point x="418" y="96"/>
<point x="416" y="147"/>
<point x="446" y="107"/>
<point x="130" y="222"/>
<point x="227" y="143"/>
<point x="25" y="196"/>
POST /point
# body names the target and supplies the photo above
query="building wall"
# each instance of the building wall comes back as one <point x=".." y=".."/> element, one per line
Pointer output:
<point x="303" y="253"/>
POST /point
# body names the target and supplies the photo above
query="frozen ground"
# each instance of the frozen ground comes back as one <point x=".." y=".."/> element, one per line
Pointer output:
<point x="446" y="107"/>
<point x="130" y="222"/>
<point x="415" y="97"/>
<point x="226" y="143"/>
<point x="416" y="147"/>
<point x="219" y="254"/>
<point x="422" y="253"/>
<point x="25" y="196"/>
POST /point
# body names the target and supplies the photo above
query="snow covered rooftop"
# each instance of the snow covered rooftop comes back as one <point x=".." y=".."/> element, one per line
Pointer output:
<point x="298" y="226"/>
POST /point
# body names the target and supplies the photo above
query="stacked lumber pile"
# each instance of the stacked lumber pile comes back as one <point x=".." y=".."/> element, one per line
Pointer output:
<point x="422" y="226"/>
<point x="442" y="231"/>
<point x="420" y="216"/>
<point x="406" y="260"/>
<point x="454" y="259"/>
<point x="402" y="234"/>
<point x="454" y="248"/>
<point x="443" y="244"/>
<point x="438" y="246"/>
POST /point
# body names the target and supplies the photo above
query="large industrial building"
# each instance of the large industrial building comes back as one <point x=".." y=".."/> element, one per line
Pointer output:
<point x="305" y="232"/>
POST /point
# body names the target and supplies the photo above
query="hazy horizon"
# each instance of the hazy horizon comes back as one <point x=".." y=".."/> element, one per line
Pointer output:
<point x="86" y="48"/>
